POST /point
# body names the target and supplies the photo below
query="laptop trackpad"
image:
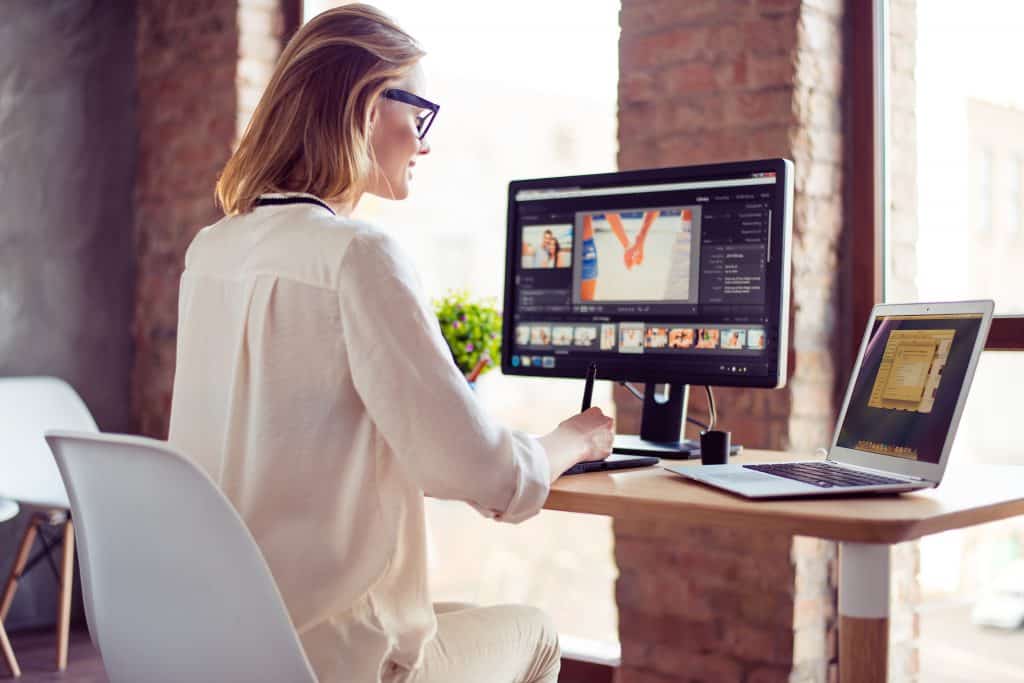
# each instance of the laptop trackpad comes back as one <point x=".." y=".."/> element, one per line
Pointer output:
<point x="741" y="480"/>
<point x="725" y="475"/>
<point x="738" y="477"/>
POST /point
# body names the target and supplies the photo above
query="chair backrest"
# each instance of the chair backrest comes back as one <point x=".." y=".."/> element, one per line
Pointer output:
<point x="28" y="407"/>
<point x="175" y="587"/>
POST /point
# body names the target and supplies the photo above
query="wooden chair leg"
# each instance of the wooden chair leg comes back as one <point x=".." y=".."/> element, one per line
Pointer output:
<point x="67" y="575"/>
<point x="5" y="645"/>
<point x="20" y="559"/>
<point x="19" y="565"/>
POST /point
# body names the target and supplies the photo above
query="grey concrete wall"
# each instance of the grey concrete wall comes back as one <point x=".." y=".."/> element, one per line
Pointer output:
<point x="67" y="155"/>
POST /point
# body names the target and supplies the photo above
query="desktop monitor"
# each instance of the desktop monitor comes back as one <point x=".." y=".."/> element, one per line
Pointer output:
<point x="670" y="276"/>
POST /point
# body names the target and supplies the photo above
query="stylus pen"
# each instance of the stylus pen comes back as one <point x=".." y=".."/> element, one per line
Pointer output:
<point x="588" y="386"/>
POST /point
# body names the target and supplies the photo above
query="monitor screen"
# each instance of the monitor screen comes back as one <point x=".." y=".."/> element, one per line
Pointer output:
<point x="666" y="275"/>
<point x="911" y="376"/>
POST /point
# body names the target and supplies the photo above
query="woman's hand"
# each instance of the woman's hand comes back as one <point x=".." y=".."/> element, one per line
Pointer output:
<point x="595" y="432"/>
<point x="634" y="255"/>
<point x="586" y="436"/>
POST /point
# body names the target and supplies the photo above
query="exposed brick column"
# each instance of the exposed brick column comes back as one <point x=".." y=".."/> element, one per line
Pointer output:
<point x="201" y="68"/>
<point x="263" y="28"/>
<point x="187" y="56"/>
<point x="717" y="81"/>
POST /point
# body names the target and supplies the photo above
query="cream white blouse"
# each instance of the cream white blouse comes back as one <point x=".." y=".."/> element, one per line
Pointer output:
<point x="314" y="386"/>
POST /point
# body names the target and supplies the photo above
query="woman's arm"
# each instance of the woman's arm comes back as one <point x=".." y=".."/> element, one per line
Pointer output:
<point x="649" y="218"/>
<point x="615" y="221"/>
<point x="635" y="254"/>
<point x="587" y="436"/>
<point x="416" y="396"/>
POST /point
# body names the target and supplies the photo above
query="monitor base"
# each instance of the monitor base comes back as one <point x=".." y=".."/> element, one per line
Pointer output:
<point x="687" y="449"/>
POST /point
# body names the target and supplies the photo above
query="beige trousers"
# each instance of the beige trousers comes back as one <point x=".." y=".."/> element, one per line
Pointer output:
<point x="500" y="644"/>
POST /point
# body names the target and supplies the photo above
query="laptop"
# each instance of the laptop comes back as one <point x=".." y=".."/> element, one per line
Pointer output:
<point x="900" y="414"/>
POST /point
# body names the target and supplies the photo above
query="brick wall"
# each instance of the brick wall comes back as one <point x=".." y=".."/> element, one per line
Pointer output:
<point x="186" y="55"/>
<point x="201" y="68"/>
<point x="716" y="81"/>
<point x="261" y="33"/>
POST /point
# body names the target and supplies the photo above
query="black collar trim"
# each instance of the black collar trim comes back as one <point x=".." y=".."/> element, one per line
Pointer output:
<point x="276" y="201"/>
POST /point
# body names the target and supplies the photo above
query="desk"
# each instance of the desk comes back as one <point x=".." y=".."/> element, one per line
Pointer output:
<point x="864" y="527"/>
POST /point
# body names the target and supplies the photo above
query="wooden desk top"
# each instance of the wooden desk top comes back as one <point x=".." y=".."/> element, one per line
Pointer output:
<point x="968" y="495"/>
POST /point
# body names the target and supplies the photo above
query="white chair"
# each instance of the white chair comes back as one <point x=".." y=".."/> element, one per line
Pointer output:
<point x="8" y="510"/>
<point x="28" y="407"/>
<point x="175" y="587"/>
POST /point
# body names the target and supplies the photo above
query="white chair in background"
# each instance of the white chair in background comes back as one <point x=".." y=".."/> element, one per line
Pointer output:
<point x="28" y="407"/>
<point x="175" y="587"/>
<point x="8" y="510"/>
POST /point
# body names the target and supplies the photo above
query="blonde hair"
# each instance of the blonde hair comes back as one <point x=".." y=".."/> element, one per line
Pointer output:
<point x="310" y="130"/>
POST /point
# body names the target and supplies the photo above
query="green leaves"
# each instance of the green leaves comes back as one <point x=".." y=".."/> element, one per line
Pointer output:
<point x="471" y="327"/>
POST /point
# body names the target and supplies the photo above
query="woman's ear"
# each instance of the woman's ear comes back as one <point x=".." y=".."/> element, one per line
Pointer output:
<point x="372" y="119"/>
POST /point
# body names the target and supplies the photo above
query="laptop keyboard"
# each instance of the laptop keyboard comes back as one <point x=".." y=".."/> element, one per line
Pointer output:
<point x="822" y="474"/>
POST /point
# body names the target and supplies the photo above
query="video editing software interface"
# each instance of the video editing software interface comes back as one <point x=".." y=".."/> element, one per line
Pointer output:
<point x="908" y="386"/>
<point x="670" y="276"/>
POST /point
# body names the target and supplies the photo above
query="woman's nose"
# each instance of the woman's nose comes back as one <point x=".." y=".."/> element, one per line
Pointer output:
<point x="424" y="147"/>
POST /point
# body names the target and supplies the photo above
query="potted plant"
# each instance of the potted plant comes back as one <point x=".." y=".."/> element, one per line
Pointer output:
<point x="472" y="328"/>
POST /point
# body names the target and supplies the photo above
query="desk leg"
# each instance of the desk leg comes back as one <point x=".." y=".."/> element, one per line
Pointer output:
<point x="863" y="612"/>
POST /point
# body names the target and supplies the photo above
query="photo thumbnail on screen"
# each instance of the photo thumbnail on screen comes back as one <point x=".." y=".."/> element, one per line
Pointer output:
<point x="638" y="255"/>
<point x="680" y="338"/>
<point x="547" y="246"/>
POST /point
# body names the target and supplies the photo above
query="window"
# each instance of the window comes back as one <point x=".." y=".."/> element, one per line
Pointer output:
<point x="1013" y="203"/>
<point x="953" y="98"/>
<point x="982" y="199"/>
<point x="518" y="100"/>
<point x="966" y="110"/>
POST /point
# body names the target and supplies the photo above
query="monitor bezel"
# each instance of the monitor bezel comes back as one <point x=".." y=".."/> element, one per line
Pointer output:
<point x="626" y="370"/>
<point x="930" y="472"/>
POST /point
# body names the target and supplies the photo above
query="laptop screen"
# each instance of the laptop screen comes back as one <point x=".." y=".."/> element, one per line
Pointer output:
<point x="906" y="393"/>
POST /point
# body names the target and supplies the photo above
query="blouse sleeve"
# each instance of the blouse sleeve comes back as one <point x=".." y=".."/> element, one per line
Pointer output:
<point x="419" y="400"/>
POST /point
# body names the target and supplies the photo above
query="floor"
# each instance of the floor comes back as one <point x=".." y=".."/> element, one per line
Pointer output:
<point x="953" y="650"/>
<point x="35" y="651"/>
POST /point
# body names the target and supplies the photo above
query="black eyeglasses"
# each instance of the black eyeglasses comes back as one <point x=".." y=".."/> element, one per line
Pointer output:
<point x="423" y="119"/>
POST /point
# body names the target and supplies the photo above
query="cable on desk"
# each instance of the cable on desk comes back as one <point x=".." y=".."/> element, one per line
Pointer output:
<point x="712" y="412"/>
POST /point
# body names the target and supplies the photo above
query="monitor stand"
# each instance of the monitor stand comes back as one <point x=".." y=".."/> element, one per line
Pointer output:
<point x="661" y="425"/>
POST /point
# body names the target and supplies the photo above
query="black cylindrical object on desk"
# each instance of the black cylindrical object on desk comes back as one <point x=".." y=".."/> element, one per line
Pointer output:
<point x="714" y="447"/>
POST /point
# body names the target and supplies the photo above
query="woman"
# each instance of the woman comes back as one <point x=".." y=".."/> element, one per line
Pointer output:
<point x="550" y="249"/>
<point x="588" y="260"/>
<point x="553" y="248"/>
<point x="314" y="386"/>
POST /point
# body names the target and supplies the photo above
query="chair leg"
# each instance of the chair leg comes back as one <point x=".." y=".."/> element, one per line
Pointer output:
<point x="5" y="645"/>
<point x="67" y="575"/>
<point x="24" y="548"/>
<point x="19" y="565"/>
